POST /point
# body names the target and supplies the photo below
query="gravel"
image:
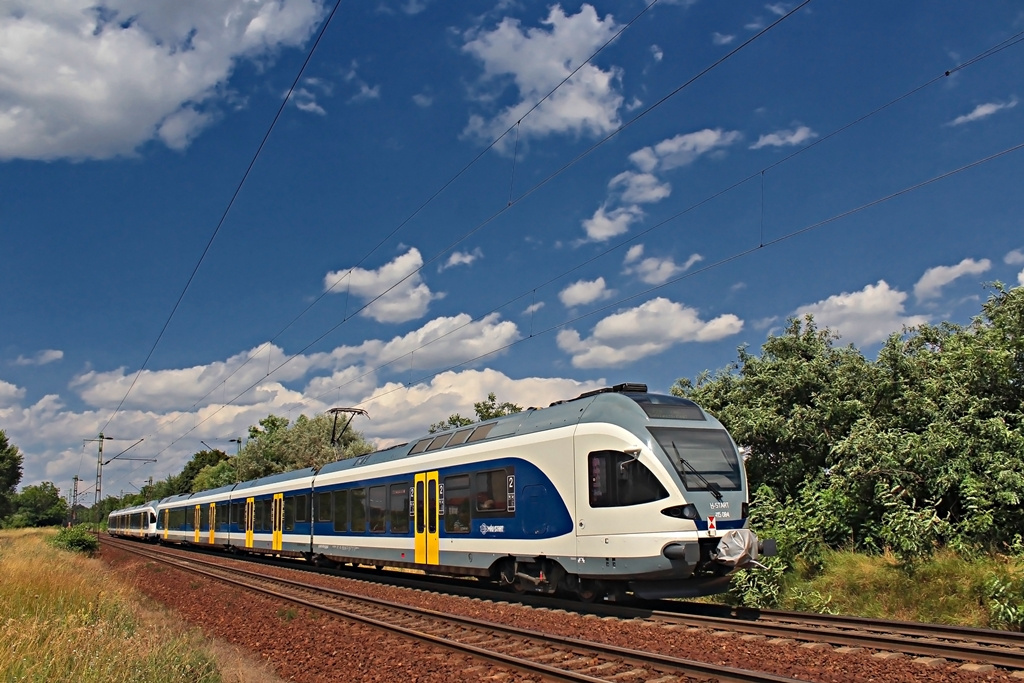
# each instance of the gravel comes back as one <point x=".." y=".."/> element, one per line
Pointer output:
<point x="302" y="645"/>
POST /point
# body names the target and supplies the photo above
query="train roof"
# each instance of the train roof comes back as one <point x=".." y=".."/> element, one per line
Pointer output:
<point x="601" y="405"/>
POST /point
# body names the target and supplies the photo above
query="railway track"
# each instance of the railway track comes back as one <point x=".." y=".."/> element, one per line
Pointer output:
<point x="547" y="656"/>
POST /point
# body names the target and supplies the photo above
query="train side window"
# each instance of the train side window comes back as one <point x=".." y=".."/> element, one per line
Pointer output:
<point x="289" y="513"/>
<point x="302" y="508"/>
<point x="491" y="491"/>
<point x="358" y="511"/>
<point x="456" y="504"/>
<point x="378" y="509"/>
<point x="341" y="511"/>
<point x="223" y="512"/>
<point x="235" y="513"/>
<point x="323" y="507"/>
<point x="481" y="432"/>
<point x="460" y="437"/>
<point x="204" y="518"/>
<point x="618" y="479"/>
<point x="420" y="446"/>
<point x="267" y="515"/>
<point x="399" y="508"/>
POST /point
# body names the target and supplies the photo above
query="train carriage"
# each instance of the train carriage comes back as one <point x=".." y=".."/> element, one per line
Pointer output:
<point x="616" y="491"/>
<point x="134" y="522"/>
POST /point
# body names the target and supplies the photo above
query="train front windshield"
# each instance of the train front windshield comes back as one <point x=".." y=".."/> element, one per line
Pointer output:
<point x="705" y="458"/>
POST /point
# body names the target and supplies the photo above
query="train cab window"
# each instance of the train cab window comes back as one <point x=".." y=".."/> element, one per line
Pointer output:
<point x="705" y="458"/>
<point x="323" y="507"/>
<point x="302" y="508"/>
<point x="481" y="432"/>
<point x="438" y="442"/>
<point x="491" y="491"/>
<point x="619" y="479"/>
<point x="420" y="446"/>
<point x="378" y="509"/>
<point x="460" y="437"/>
<point x="456" y="504"/>
<point x="398" y="504"/>
<point x="289" y="513"/>
<point x="340" y="511"/>
<point x="152" y="518"/>
<point x="358" y="511"/>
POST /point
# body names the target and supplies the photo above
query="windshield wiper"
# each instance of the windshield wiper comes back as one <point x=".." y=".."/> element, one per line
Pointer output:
<point x="714" y="488"/>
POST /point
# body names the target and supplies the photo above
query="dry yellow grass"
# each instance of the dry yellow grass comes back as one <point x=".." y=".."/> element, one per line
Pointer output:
<point x="64" y="618"/>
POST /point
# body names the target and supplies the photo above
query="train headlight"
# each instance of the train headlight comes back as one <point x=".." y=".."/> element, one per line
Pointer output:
<point x="688" y="511"/>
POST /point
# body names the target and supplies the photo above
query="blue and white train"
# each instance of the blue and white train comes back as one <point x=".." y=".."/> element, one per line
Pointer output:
<point x="616" y="491"/>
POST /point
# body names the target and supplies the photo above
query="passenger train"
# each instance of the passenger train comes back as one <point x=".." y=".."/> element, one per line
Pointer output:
<point x="617" y="491"/>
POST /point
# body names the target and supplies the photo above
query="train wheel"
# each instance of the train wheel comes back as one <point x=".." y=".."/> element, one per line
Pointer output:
<point x="591" y="591"/>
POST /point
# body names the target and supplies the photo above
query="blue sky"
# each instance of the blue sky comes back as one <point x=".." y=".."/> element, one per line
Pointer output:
<point x="415" y="233"/>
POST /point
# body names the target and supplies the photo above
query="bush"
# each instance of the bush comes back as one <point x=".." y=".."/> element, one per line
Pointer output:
<point x="76" y="539"/>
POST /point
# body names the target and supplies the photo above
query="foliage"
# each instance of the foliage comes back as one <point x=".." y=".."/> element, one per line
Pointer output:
<point x="10" y="472"/>
<point x="76" y="539"/>
<point x="488" y="409"/>
<point x="38" y="505"/>
<point x="921" y="448"/>
<point x="277" y="447"/>
<point x="66" y="619"/>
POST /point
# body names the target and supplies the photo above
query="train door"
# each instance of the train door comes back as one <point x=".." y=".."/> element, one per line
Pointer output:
<point x="197" y="519"/>
<point x="425" y="506"/>
<point x="250" y="516"/>
<point x="167" y="523"/>
<point x="213" y="520"/>
<point x="278" y="515"/>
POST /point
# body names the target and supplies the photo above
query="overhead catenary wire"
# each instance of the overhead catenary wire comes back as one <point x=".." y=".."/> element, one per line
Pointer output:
<point x="227" y="210"/>
<point x="430" y="199"/>
<point x="763" y="31"/>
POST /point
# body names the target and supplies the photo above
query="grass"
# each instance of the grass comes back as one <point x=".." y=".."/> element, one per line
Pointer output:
<point x="945" y="588"/>
<point x="65" y="618"/>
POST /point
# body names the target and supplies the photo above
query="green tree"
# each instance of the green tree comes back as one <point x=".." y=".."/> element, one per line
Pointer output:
<point x="921" y="447"/>
<point x="10" y="473"/>
<point x="39" y="505"/>
<point x="488" y="409"/>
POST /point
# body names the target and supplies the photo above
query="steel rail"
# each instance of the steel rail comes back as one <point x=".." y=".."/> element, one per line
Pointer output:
<point x="662" y="664"/>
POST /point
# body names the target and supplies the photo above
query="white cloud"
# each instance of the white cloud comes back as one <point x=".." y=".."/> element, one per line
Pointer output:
<point x="440" y="342"/>
<point x="682" y="149"/>
<point x="983" y="111"/>
<point x="645" y="330"/>
<point x="640" y="188"/>
<point x="722" y="38"/>
<point x="409" y="297"/>
<point x="181" y="388"/>
<point x="584" y="292"/>
<point x="653" y="270"/>
<point x="538" y="59"/>
<point x="777" y="8"/>
<point x="781" y="138"/>
<point x="41" y="357"/>
<point x="1014" y="258"/>
<point x="533" y="308"/>
<point x="364" y="92"/>
<point x="462" y="258"/>
<point x="604" y="224"/>
<point x="1020" y="278"/>
<point x="304" y="96"/>
<point x="400" y="414"/>
<point x="80" y="80"/>
<point x="423" y="100"/>
<point x="657" y="53"/>
<point x="10" y="393"/>
<point x="934" y="279"/>
<point x="864" y="317"/>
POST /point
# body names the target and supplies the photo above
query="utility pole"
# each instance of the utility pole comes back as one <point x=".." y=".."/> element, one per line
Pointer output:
<point x="98" y="495"/>
<point x="74" y="500"/>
